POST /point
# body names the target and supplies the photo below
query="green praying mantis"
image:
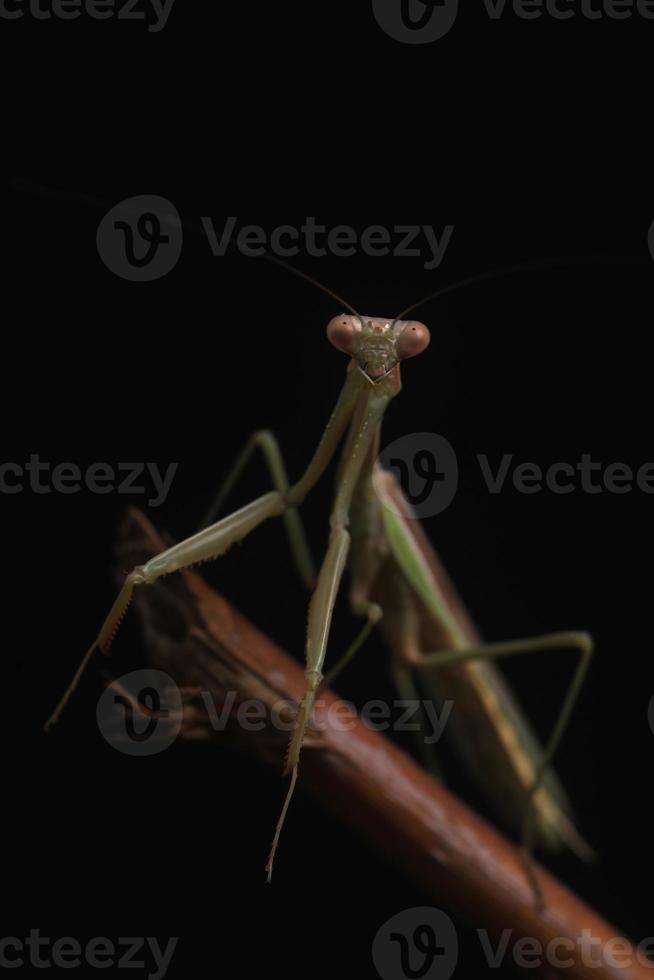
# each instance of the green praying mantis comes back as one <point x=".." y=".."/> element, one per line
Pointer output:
<point x="395" y="581"/>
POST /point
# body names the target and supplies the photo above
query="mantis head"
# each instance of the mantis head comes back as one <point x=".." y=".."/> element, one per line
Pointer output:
<point x="376" y="344"/>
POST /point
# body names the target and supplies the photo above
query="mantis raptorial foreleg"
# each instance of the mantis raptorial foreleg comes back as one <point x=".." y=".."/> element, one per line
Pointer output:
<point x="322" y="603"/>
<point x="320" y="616"/>
<point x="581" y="642"/>
<point x="362" y="436"/>
<point x="321" y="609"/>
<point x="366" y="560"/>
<point x="203" y="546"/>
<point x="215" y="540"/>
<point x="265" y="441"/>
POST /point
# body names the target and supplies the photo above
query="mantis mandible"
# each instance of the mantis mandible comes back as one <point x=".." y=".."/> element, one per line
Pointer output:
<point x="395" y="581"/>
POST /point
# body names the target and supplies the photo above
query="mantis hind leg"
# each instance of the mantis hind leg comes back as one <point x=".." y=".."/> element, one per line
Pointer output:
<point x="402" y="629"/>
<point x="583" y="644"/>
<point x="406" y="688"/>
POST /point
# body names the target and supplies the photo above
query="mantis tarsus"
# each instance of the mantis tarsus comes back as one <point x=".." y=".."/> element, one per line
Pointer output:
<point x="395" y="581"/>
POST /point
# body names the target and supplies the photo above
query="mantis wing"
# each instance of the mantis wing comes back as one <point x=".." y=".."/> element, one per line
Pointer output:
<point x="492" y="736"/>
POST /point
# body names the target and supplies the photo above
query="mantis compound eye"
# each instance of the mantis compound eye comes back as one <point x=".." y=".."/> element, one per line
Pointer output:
<point x="341" y="332"/>
<point x="413" y="339"/>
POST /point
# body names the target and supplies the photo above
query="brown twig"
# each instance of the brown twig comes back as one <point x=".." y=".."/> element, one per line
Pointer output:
<point x="205" y="644"/>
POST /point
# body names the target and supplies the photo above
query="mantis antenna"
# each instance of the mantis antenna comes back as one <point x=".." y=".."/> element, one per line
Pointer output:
<point x="508" y="270"/>
<point x="41" y="190"/>
<point x="314" y="282"/>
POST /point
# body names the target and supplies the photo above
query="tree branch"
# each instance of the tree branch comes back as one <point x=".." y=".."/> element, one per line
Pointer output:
<point x="196" y="636"/>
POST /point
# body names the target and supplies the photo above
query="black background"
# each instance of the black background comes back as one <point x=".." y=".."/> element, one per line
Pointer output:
<point x="545" y="364"/>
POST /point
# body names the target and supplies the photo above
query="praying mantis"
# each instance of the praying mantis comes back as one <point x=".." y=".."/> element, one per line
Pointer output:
<point x="395" y="582"/>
